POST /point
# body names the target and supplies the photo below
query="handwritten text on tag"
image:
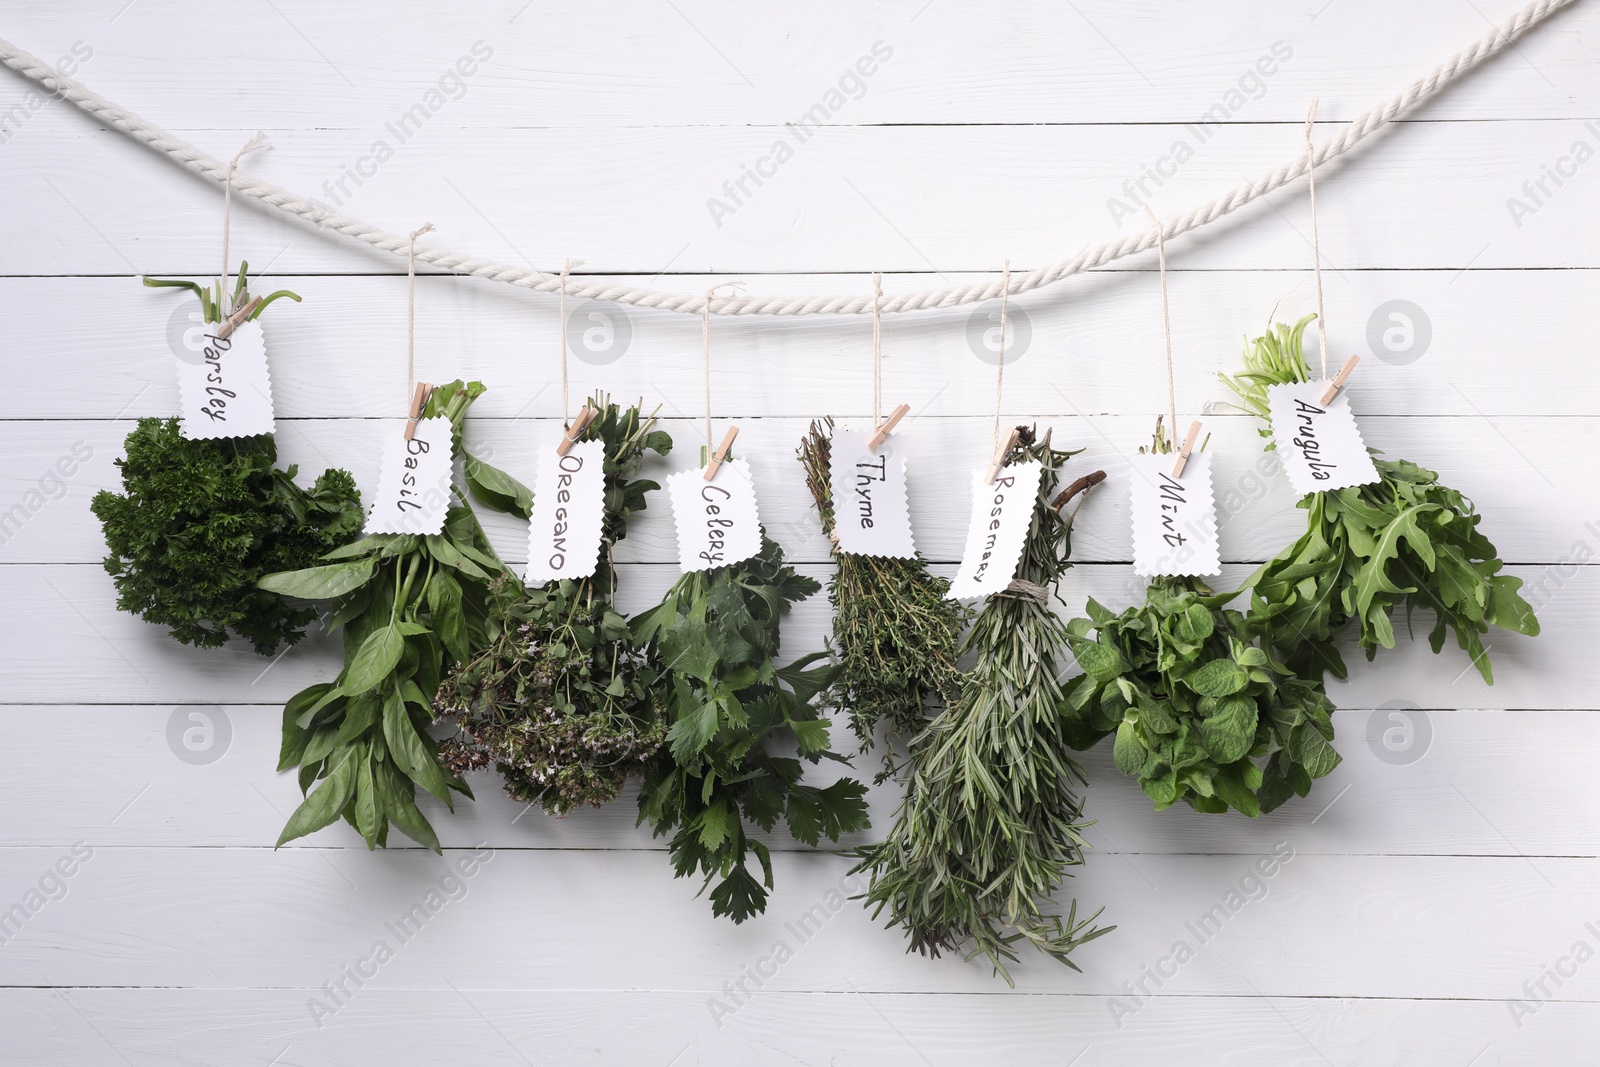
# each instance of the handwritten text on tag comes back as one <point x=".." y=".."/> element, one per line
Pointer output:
<point x="568" y="511"/>
<point x="1174" y="519"/>
<point x="1320" y="443"/>
<point x="413" y="480"/>
<point x="870" y="515"/>
<point x="717" y="520"/>
<point x="223" y="383"/>
<point x="1001" y="514"/>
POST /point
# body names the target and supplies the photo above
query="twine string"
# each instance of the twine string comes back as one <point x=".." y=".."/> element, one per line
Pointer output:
<point x="411" y="307"/>
<point x="877" y="352"/>
<point x="1316" y="244"/>
<point x="1166" y="328"/>
<point x="1000" y="363"/>
<point x="566" y="409"/>
<point x="258" y="141"/>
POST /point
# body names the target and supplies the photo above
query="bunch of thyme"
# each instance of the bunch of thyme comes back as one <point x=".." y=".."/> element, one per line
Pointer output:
<point x="896" y="635"/>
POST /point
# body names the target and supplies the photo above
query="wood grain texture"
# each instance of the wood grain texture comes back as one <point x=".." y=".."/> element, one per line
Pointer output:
<point x="1443" y="872"/>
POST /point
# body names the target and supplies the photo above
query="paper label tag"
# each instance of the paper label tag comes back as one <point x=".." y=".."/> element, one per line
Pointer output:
<point x="1320" y="444"/>
<point x="223" y="383"/>
<point x="870" y="514"/>
<point x="1174" y="519"/>
<point x="569" y="504"/>
<point x="1001" y="514"/>
<point x="717" y="520"/>
<point x="414" y="481"/>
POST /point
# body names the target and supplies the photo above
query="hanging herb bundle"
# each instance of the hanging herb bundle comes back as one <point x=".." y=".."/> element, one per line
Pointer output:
<point x="411" y="607"/>
<point x="1194" y="704"/>
<point x="992" y="820"/>
<point x="1368" y="550"/>
<point x="561" y="699"/>
<point x="198" y="522"/>
<point x="897" y="635"/>
<point x="728" y="703"/>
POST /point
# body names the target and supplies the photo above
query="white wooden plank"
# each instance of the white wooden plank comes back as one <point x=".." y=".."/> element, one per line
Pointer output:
<point x="491" y="1025"/>
<point x="1034" y="62"/>
<point x="1479" y="344"/>
<point x="64" y="642"/>
<point x="902" y="198"/>
<point x="192" y="775"/>
<point x="1335" y="926"/>
<point x="1535" y="496"/>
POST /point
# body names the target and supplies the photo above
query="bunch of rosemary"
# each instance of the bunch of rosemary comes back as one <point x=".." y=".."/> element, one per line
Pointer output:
<point x="561" y="699"/>
<point x="199" y="522"/>
<point x="411" y="607"/>
<point x="992" y="820"/>
<point x="729" y="705"/>
<point x="897" y="636"/>
<point x="1368" y="550"/>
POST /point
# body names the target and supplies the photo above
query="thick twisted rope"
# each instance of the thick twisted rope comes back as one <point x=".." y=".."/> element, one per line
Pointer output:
<point x="1380" y="117"/>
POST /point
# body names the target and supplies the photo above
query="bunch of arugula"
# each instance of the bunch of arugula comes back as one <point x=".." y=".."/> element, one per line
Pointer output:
<point x="411" y="606"/>
<point x="1194" y="704"/>
<point x="1405" y="540"/>
<point x="561" y="699"/>
<point x="992" y="819"/>
<point x="729" y="705"/>
<point x="897" y="635"/>
<point x="199" y="522"/>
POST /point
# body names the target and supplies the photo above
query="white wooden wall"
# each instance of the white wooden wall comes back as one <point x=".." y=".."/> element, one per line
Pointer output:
<point x="1428" y="887"/>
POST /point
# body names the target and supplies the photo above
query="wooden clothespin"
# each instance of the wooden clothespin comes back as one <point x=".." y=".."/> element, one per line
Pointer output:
<point x="1339" y="379"/>
<point x="419" y="400"/>
<point x="999" y="459"/>
<point x="238" y="318"/>
<point x="1188" y="447"/>
<point x="882" y="433"/>
<point x="721" y="453"/>
<point x="570" y="438"/>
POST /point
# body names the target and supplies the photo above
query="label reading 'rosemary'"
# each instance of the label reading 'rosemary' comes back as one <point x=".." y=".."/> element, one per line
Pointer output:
<point x="717" y="520"/>
<point x="870" y="514"/>
<point x="1320" y="443"/>
<point x="1174" y="519"/>
<point x="1000" y="516"/>
<point x="223" y="384"/>
<point x="413" y="480"/>
<point x="568" y="512"/>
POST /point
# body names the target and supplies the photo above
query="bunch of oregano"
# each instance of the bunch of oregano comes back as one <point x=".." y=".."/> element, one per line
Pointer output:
<point x="1404" y="541"/>
<point x="411" y="607"/>
<point x="896" y="635"/>
<point x="561" y="699"/>
<point x="198" y="522"/>
<point x="729" y="705"/>
<point x="992" y="819"/>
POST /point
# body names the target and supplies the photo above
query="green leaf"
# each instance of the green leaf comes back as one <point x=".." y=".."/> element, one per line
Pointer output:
<point x="411" y="753"/>
<point x="1100" y="662"/>
<point x="326" y="802"/>
<point x="321" y="583"/>
<point x="691" y="733"/>
<point x="497" y="489"/>
<point x="1217" y="678"/>
<point x="1128" y="751"/>
<point x="375" y="660"/>
<point x="1230" y="731"/>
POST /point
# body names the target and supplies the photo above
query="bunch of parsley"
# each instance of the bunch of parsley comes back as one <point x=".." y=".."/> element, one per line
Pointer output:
<point x="199" y="522"/>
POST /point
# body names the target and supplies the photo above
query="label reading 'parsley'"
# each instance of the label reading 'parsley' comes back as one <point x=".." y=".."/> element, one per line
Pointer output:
<point x="223" y="383"/>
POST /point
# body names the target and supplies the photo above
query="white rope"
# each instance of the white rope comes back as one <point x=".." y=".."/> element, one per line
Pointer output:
<point x="1357" y="131"/>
